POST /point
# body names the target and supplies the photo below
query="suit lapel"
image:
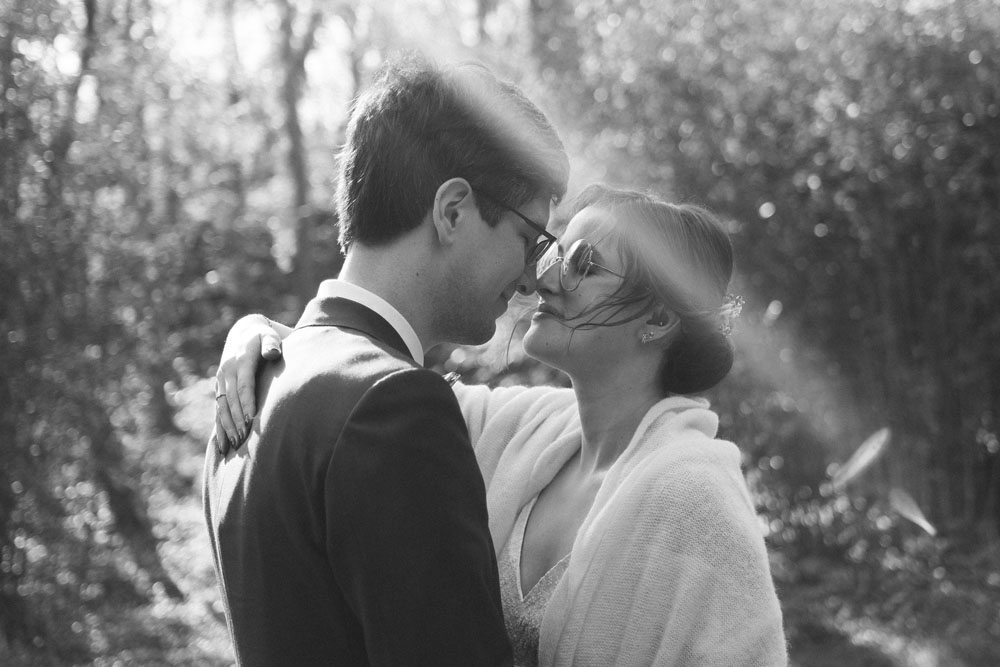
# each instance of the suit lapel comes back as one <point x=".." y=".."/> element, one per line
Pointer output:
<point x="347" y="314"/>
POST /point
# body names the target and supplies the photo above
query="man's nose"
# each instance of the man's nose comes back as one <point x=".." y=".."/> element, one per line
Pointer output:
<point x="527" y="282"/>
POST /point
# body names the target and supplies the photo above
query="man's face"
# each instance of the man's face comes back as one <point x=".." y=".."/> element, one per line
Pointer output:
<point x="492" y="271"/>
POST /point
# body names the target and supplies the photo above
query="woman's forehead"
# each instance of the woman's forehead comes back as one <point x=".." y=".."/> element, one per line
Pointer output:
<point x="593" y="223"/>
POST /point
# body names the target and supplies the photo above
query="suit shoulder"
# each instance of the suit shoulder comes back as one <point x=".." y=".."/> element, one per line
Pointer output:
<point x="413" y="388"/>
<point x="415" y="406"/>
<point x="321" y="355"/>
<point x="323" y="373"/>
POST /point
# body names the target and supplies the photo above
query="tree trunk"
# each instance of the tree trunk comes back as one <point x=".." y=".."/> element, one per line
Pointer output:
<point x="15" y="617"/>
<point x="131" y="519"/>
<point x="15" y="623"/>
<point x="293" y="56"/>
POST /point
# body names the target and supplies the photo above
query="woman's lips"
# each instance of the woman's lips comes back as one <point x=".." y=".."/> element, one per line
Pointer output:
<point x="545" y="309"/>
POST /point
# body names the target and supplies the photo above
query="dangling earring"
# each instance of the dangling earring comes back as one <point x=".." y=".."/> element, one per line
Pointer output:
<point x="647" y="337"/>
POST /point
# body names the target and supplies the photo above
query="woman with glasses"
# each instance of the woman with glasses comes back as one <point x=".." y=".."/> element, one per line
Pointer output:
<point x="624" y="529"/>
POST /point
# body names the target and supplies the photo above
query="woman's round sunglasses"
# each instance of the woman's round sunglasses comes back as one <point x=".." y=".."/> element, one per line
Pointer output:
<point x="575" y="265"/>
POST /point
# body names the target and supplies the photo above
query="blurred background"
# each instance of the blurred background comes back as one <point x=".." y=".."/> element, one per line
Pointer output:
<point x="167" y="167"/>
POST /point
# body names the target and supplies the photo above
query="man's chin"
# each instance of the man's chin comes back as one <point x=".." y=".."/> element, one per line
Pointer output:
<point x="479" y="336"/>
<point x="476" y="332"/>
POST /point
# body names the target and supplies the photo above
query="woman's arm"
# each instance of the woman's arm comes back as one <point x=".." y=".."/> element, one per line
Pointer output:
<point x="254" y="338"/>
<point x="251" y="339"/>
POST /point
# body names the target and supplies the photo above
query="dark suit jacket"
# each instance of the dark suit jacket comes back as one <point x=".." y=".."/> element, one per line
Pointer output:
<point x="351" y="528"/>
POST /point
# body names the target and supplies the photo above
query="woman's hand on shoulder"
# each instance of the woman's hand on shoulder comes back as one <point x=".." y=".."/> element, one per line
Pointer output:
<point x="251" y="339"/>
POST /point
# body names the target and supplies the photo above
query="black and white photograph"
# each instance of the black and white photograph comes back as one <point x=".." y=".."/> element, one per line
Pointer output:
<point x="500" y="333"/>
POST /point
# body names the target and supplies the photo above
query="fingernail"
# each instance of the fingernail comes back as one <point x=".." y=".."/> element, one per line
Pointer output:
<point x="247" y="420"/>
<point x="242" y="435"/>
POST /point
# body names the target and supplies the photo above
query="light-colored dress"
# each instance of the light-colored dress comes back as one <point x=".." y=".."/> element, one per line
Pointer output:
<point x="669" y="567"/>
<point x="523" y="612"/>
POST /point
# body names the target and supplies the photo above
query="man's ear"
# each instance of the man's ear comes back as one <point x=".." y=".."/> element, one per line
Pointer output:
<point x="453" y="202"/>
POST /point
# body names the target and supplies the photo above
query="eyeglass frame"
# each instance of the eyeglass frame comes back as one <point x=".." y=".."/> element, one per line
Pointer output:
<point x="541" y="247"/>
<point x="561" y="259"/>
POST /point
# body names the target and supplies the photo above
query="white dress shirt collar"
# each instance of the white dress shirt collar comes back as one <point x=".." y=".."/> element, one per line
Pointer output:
<point x="329" y="289"/>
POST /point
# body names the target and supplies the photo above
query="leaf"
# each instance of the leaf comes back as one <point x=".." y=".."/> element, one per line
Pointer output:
<point x="864" y="456"/>
<point x="907" y="507"/>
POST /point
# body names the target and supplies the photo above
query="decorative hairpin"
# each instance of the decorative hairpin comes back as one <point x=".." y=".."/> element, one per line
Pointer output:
<point x="729" y="312"/>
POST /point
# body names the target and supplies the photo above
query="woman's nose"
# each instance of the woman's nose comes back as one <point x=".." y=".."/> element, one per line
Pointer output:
<point x="548" y="277"/>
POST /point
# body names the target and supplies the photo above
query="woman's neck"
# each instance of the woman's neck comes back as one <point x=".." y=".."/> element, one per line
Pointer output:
<point x="610" y="412"/>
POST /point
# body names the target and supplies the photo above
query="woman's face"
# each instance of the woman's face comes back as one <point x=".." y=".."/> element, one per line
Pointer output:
<point x="554" y="336"/>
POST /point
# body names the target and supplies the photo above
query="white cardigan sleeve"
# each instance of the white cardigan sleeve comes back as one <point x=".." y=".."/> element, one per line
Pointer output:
<point x="480" y="403"/>
<point x="521" y="437"/>
<point x="501" y="407"/>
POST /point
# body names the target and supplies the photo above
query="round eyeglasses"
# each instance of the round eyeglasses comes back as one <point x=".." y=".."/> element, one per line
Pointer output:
<point x="576" y="264"/>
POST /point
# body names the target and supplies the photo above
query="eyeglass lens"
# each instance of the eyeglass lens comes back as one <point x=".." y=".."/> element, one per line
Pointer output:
<point x="538" y="250"/>
<point x="576" y="263"/>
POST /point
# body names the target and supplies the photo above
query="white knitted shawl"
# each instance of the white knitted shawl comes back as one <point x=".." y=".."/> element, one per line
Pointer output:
<point x="669" y="567"/>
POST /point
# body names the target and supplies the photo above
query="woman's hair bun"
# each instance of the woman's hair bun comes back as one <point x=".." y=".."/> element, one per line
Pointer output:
<point x="696" y="361"/>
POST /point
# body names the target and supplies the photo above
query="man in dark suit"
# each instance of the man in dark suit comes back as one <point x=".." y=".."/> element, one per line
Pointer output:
<point x="351" y="527"/>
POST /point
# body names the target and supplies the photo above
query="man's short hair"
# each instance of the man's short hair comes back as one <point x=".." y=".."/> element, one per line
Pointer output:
<point x="419" y="125"/>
